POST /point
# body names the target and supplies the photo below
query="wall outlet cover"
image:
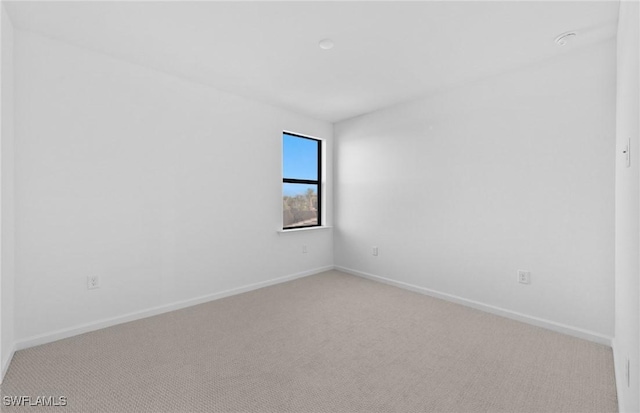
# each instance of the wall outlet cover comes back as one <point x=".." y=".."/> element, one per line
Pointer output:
<point x="93" y="282"/>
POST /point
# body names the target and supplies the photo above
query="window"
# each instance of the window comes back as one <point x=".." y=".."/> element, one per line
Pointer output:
<point x="301" y="182"/>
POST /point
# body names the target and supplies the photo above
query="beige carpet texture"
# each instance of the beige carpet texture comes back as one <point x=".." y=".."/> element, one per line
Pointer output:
<point x="330" y="342"/>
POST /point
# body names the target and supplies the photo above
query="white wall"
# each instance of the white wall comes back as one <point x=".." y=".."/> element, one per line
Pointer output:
<point x="627" y="314"/>
<point x="7" y="274"/>
<point x="168" y="190"/>
<point x="460" y="190"/>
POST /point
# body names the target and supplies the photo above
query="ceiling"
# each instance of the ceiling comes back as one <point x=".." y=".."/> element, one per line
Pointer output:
<point x="385" y="52"/>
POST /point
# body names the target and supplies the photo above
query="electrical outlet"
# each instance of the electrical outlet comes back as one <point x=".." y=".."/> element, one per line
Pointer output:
<point x="627" y="152"/>
<point x="304" y="249"/>
<point x="93" y="282"/>
<point x="524" y="277"/>
<point x="374" y="251"/>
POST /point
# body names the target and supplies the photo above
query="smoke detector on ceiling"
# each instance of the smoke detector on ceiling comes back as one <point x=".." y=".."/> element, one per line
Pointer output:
<point x="565" y="38"/>
<point x="326" y="44"/>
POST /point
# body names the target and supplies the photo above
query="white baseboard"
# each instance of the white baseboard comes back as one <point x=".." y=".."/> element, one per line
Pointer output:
<point x="536" y="321"/>
<point x="6" y="362"/>
<point x="619" y="375"/>
<point x="108" y="322"/>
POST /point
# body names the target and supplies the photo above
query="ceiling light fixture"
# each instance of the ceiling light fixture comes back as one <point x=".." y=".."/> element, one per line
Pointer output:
<point x="326" y="44"/>
<point x="564" y="38"/>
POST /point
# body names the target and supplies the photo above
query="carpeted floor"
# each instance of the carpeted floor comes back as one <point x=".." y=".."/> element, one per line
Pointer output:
<point x="325" y="343"/>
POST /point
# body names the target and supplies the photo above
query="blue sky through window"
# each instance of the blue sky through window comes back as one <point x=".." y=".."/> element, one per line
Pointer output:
<point x="300" y="157"/>
<point x="300" y="161"/>
<point x="298" y="189"/>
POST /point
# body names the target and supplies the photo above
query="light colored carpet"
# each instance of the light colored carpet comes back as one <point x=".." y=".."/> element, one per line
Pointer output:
<point x="325" y="343"/>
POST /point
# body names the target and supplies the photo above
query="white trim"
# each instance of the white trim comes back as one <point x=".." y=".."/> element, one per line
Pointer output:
<point x="108" y="322"/>
<point x="619" y="375"/>
<point x="292" y="230"/>
<point x="536" y="321"/>
<point x="5" y="363"/>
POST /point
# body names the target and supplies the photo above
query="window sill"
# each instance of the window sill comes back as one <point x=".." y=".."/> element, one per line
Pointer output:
<point x="289" y="231"/>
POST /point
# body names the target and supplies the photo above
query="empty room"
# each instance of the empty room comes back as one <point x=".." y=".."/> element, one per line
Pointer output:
<point x="320" y="206"/>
